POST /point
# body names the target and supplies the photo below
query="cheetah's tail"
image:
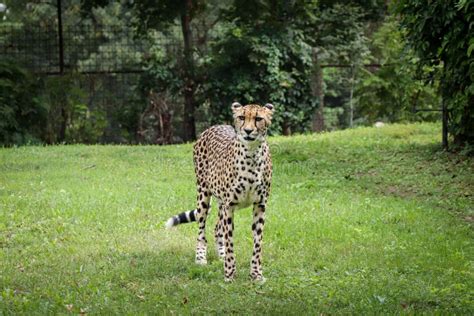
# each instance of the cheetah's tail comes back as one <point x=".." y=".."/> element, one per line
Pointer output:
<point x="182" y="218"/>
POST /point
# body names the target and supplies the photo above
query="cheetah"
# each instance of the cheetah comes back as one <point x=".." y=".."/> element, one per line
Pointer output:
<point x="234" y="166"/>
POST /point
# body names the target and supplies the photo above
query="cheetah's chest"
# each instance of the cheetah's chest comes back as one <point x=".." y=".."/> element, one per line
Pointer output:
<point x="248" y="185"/>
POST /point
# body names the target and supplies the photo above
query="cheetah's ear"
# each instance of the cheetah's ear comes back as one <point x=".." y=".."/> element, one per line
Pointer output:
<point x="235" y="106"/>
<point x="269" y="106"/>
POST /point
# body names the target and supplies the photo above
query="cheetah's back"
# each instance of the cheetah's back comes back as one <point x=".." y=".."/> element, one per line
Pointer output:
<point x="213" y="148"/>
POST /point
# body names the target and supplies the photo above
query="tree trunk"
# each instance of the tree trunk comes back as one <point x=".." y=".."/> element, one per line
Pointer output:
<point x="286" y="128"/>
<point x="466" y="135"/>
<point x="189" y="125"/>
<point x="318" y="92"/>
<point x="64" y="121"/>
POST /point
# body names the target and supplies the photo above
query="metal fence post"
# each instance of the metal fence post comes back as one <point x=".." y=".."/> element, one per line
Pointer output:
<point x="60" y="38"/>
<point x="445" y="125"/>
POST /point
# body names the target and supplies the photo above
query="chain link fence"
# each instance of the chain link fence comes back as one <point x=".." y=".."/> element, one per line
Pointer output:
<point x="100" y="66"/>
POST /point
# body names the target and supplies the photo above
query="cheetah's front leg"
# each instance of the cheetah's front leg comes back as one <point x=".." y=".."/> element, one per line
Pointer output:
<point x="257" y="229"/>
<point x="228" y="228"/>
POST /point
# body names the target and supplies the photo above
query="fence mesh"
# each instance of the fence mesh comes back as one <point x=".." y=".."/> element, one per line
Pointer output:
<point x="107" y="66"/>
<point x="104" y="62"/>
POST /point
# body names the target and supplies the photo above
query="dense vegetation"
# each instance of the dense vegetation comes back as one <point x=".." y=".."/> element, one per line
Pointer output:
<point x="363" y="221"/>
<point x="325" y="64"/>
<point x="441" y="34"/>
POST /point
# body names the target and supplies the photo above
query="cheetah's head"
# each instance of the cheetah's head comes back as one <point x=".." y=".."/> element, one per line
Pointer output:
<point x="252" y="121"/>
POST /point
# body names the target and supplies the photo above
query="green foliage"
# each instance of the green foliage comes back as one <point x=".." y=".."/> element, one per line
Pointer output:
<point x="22" y="112"/>
<point x="35" y="110"/>
<point x="332" y="117"/>
<point x="85" y="126"/>
<point x="341" y="40"/>
<point x="162" y="14"/>
<point x="248" y="51"/>
<point x="439" y="34"/>
<point x="374" y="10"/>
<point x="364" y="221"/>
<point x="393" y="92"/>
<point x="98" y="37"/>
<point x="62" y="96"/>
<point x="263" y="60"/>
<point x="113" y="40"/>
<point x="162" y="68"/>
<point x="341" y="35"/>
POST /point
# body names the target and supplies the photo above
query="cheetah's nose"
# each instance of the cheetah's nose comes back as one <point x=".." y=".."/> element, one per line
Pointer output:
<point x="248" y="130"/>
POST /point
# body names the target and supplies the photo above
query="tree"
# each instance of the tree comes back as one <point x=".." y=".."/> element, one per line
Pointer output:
<point x="78" y="107"/>
<point x="160" y="15"/>
<point x="274" y="49"/>
<point x="22" y="114"/>
<point x="439" y="34"/>
<point x="264" y="56"/>
<point x="342" y="39"/>
<point x="392" y="92"/>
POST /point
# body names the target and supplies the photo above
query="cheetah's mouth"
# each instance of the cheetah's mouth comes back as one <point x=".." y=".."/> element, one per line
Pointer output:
<point x="248" y="138"/>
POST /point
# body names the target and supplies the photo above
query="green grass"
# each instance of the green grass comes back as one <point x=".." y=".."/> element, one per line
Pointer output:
<point x="360" y="221"/>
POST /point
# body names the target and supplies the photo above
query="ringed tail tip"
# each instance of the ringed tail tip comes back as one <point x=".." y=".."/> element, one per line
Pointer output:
<point x="184" y="217"/>
<point x="169" y="223"/>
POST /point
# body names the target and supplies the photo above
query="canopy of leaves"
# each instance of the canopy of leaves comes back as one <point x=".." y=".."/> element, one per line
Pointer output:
<point x="264" y="56"/>
<point x="247" y="51"/>
<point x="439" y="33"/>
<point x="267" y="54"/>
<point x="22" y="115"/>
<point x="394" y="92"/>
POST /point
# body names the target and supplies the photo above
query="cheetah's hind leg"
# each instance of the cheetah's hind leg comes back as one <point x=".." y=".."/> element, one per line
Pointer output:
<point x="203" y="205"/>
<point x="219" y="236"/>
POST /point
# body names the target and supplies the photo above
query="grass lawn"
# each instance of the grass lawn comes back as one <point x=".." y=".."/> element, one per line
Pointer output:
<point x="359" y="221"/>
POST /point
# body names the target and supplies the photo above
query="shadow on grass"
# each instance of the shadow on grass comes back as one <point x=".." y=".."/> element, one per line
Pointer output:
<point x="165" y="264"/>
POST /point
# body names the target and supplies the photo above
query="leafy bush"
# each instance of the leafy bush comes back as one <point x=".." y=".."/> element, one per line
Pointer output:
<point x="85" y="126"/>
<point x="22" y="112"/>
<point x="439" y="33"/>
<point x="263" y="65"/>
<point x="392" y="93"/>
<point x="332" y="117"/>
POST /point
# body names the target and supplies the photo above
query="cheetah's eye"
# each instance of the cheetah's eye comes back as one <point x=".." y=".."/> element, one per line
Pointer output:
<point x="258" y="119"/>
<point x="242" y="118"/>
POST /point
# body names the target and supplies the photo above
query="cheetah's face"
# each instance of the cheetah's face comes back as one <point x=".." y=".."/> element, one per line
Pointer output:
<point x="252" y="121"/>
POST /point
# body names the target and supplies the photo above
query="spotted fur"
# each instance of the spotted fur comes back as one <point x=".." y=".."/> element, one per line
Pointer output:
<point x="233" y="165"/>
